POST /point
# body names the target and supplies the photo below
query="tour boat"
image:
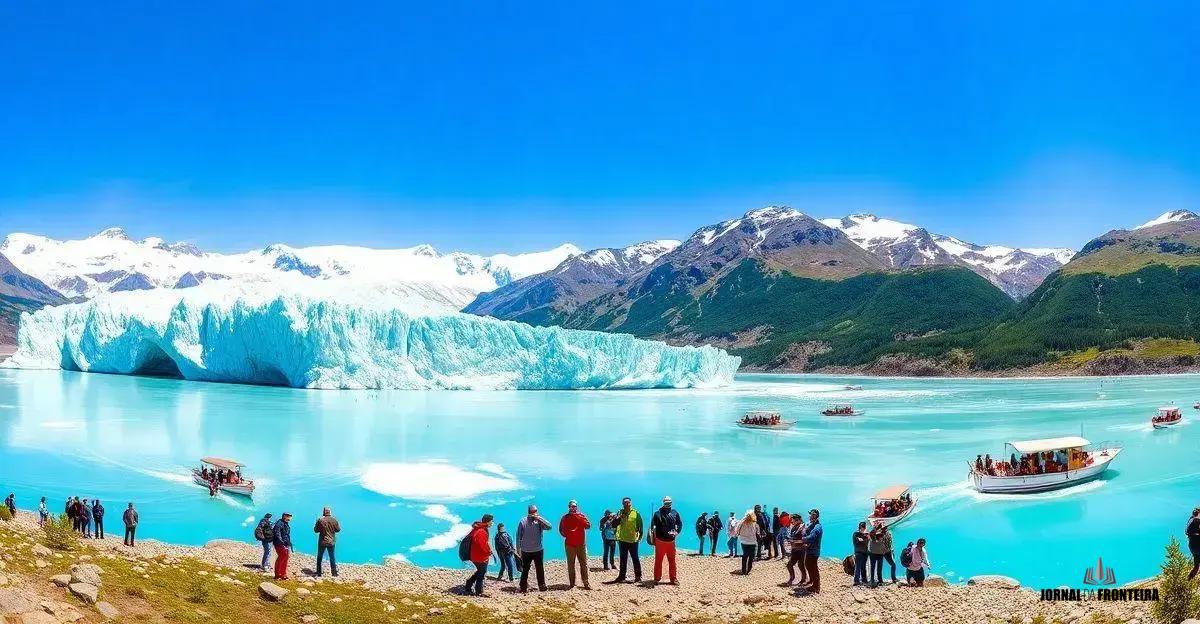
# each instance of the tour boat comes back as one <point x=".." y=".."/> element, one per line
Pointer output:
<point x="764" y="420"/>
<point x="229" y="476"/>
<point x="852" y="388"/>
<point x="899" y="497"/>
<point x="1084" y="461"/>
<point x="844" y="409"/>
<point x="1196" y="406"/>
<point x="1167" y="416"/>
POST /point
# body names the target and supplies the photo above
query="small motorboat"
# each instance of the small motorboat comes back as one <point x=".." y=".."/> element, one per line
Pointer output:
<point x="891" y="505"/>
<point x="1041" y="465"/>
<point x="1167" y="416"/>
<point x="764" y="420"/>
<point x="222" y="475"/>
<point x="841" y="409"/>
<point x="852" y="388"/>
<point x="1196" y="406"/>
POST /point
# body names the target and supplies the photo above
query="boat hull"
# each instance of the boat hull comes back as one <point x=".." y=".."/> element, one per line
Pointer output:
<point x="892" y="520"/>
<point x="849" y="415"/>
<point x="1166" y="424"/>
<point x="246" y="490"/>
<point x="1030" y="484"/>
<point x="780" y="426"/>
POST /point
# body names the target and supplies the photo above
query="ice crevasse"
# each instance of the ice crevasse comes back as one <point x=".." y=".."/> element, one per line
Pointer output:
<point x="335" y="341"/>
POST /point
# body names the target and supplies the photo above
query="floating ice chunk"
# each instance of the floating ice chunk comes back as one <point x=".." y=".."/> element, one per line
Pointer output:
<point x="339" y="340"/>
<point x="433" y="481"/>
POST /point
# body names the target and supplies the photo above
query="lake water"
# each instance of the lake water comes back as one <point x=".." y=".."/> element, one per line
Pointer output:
<point x="404" y="470"/>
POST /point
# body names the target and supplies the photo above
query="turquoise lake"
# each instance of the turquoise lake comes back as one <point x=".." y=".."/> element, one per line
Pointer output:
<point x="403" y="471"/>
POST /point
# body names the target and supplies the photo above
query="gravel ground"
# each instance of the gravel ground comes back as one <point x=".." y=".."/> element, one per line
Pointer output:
<point x="708" y="587"/>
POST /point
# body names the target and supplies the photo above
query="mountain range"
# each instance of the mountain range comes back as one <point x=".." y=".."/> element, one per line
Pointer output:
<point x="781" y="289"/>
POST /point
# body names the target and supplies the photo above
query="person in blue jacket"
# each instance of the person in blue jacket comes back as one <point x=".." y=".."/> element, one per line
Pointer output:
<point x="812" y="540"/>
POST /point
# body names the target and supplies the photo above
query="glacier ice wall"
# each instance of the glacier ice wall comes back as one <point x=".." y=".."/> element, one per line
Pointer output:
<point x="333" y="342"/>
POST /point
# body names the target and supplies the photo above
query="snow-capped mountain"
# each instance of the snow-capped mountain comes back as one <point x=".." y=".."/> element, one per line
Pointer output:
<point x="1017" y="271"/>
<point x="576" y="280"/>
<point x="1169" y="217"/>
<point x="112" y="261"/>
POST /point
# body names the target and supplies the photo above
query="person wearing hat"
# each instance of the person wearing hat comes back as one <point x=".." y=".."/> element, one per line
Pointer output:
<point x="665" y="526"/>
<point x="573" y="527"/>
<point x="264" y="533"/>
<point x="628" y="523"/>
<point x="282" y="539"/>
<point x="327" y="528"/>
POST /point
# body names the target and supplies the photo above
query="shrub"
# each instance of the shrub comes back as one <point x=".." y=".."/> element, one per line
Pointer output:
<point x="1177" y="598"/>
<point x="198" y="592"/>
<point x="5" y="514"/>
<point x="57" y="533"/>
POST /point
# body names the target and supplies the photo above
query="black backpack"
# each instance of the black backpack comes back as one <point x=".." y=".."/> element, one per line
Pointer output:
<point x="264" y="532"/>
<point x="464" y="546"/>
<point x="906" y="555"/>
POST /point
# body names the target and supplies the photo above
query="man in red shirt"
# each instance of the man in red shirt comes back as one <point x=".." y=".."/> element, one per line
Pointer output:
<point x="481" y="553"/>
<point x="573" y="526"/>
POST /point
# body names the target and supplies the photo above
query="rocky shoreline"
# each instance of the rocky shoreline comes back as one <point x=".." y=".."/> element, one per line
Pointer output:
<point x="709" y="590"/>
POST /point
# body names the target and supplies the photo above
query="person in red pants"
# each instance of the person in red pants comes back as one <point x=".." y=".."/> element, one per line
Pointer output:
<point x="665" y="526"/>
<point x="283" y="545"/>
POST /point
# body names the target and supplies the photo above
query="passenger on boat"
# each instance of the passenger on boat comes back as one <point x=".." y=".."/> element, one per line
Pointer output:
<point x="979" y="463"/>
<point x="987" y="465"/>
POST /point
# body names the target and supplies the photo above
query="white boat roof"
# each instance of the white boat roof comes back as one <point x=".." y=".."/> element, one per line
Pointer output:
<point x="1048" y="444"/>
<point x="768" y="412"/>
<point x="891" y="492"/>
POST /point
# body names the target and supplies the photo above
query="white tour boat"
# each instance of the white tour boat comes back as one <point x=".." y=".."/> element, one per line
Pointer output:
<point x="764" y="420"/>
<point x="1167" y="416"/>
<point x="1060" y="462"/>
<point x="225" y="474"/>
<point x="891" y="505"/>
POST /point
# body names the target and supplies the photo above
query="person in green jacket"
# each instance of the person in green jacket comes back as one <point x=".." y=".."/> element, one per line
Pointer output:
<point x="629" y="529"/>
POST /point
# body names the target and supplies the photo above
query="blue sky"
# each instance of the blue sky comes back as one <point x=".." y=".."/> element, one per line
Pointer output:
<point x="517" y="125"/>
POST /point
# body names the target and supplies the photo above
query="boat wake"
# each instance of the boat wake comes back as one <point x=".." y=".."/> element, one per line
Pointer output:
<point x="943" y="495"/>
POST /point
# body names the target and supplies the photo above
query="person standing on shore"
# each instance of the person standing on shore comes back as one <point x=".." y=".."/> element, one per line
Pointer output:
<point x="881" y="550"/>
<point x="265" y="534"/>
<point x="282" y="539"/>
<point x="481" y="553"/>
<point x="714" y="531"/>
<point x="665" y="526"/>
<point x="505" y="553"/>
<point x="764" y="531"/>
<point x="327" y="528"/>
<point x="796" y="559"/>
<point x="749" y="535"/>
<point x="1193" y="537"/>
<point x="608" y="535"/>
<point x="782" y="535"/>
<point x="776" y="525"/>
<point x="130" y="518"/>
<point x="10" y="501"/>
<point x="861" y="538"/>
<point x="702" y="531"/>
<point x="918" y="562"/>
<point x="87" y="518"/>
<point x="98" y="516"/>
<point x="629" y="534"/>
<point x="812" y="554"/>
<point x="573" y="527"/>
<point x="69" y="512"/>
<point x="43" y="512"/>
<point x="529" y="540"/>
<point x="731" y="528"/>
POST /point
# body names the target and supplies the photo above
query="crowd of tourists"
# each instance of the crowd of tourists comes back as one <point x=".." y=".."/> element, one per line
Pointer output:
<point x="86" y="517"/>
<point x="754" y="536"/>
<point x="277" y="535"/>
<point x="1032" y="463"/>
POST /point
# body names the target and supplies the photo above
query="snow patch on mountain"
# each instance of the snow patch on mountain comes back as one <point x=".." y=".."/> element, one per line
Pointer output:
<point x="113" y="261"/>
<point x="1173" y="216"/>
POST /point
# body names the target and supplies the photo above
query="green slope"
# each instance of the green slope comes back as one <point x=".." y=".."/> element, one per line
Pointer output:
<point x="850" y="321"/>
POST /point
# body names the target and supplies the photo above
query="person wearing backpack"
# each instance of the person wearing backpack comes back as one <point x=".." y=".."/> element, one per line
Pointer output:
<point x="265" y="535"/>
<point x="714" y="531"/>
<point x="702" y="530"/>
<point x="918" y="562"/>
<point x="479" y="552"/>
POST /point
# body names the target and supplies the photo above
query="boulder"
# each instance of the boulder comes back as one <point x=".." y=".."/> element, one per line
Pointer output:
<point x="61" y="580"/>
<point x="994" y="580"/>
<point x="86" y="592"/>
<point x="62" y="611"/>
<point x="37" y="617"/>
<point x="271" y="591"/>
<point x="14" y="601"/>
<point x="934" y="580"/>
<point x="107" y="610"/>
<point x="86" y="573"/>
<point x="309" y="618"/>
<point x="41" y="551"/>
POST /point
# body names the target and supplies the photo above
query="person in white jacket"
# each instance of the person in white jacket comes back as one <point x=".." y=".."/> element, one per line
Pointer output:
<point x="749" y="535"/>
<point x="918" y="563"/>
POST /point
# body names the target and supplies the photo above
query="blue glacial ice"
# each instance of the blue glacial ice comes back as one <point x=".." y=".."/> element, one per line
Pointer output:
<point x="338" y="342"/>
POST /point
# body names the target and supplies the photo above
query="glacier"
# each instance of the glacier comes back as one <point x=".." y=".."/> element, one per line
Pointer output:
<point x="344" y="340"/>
